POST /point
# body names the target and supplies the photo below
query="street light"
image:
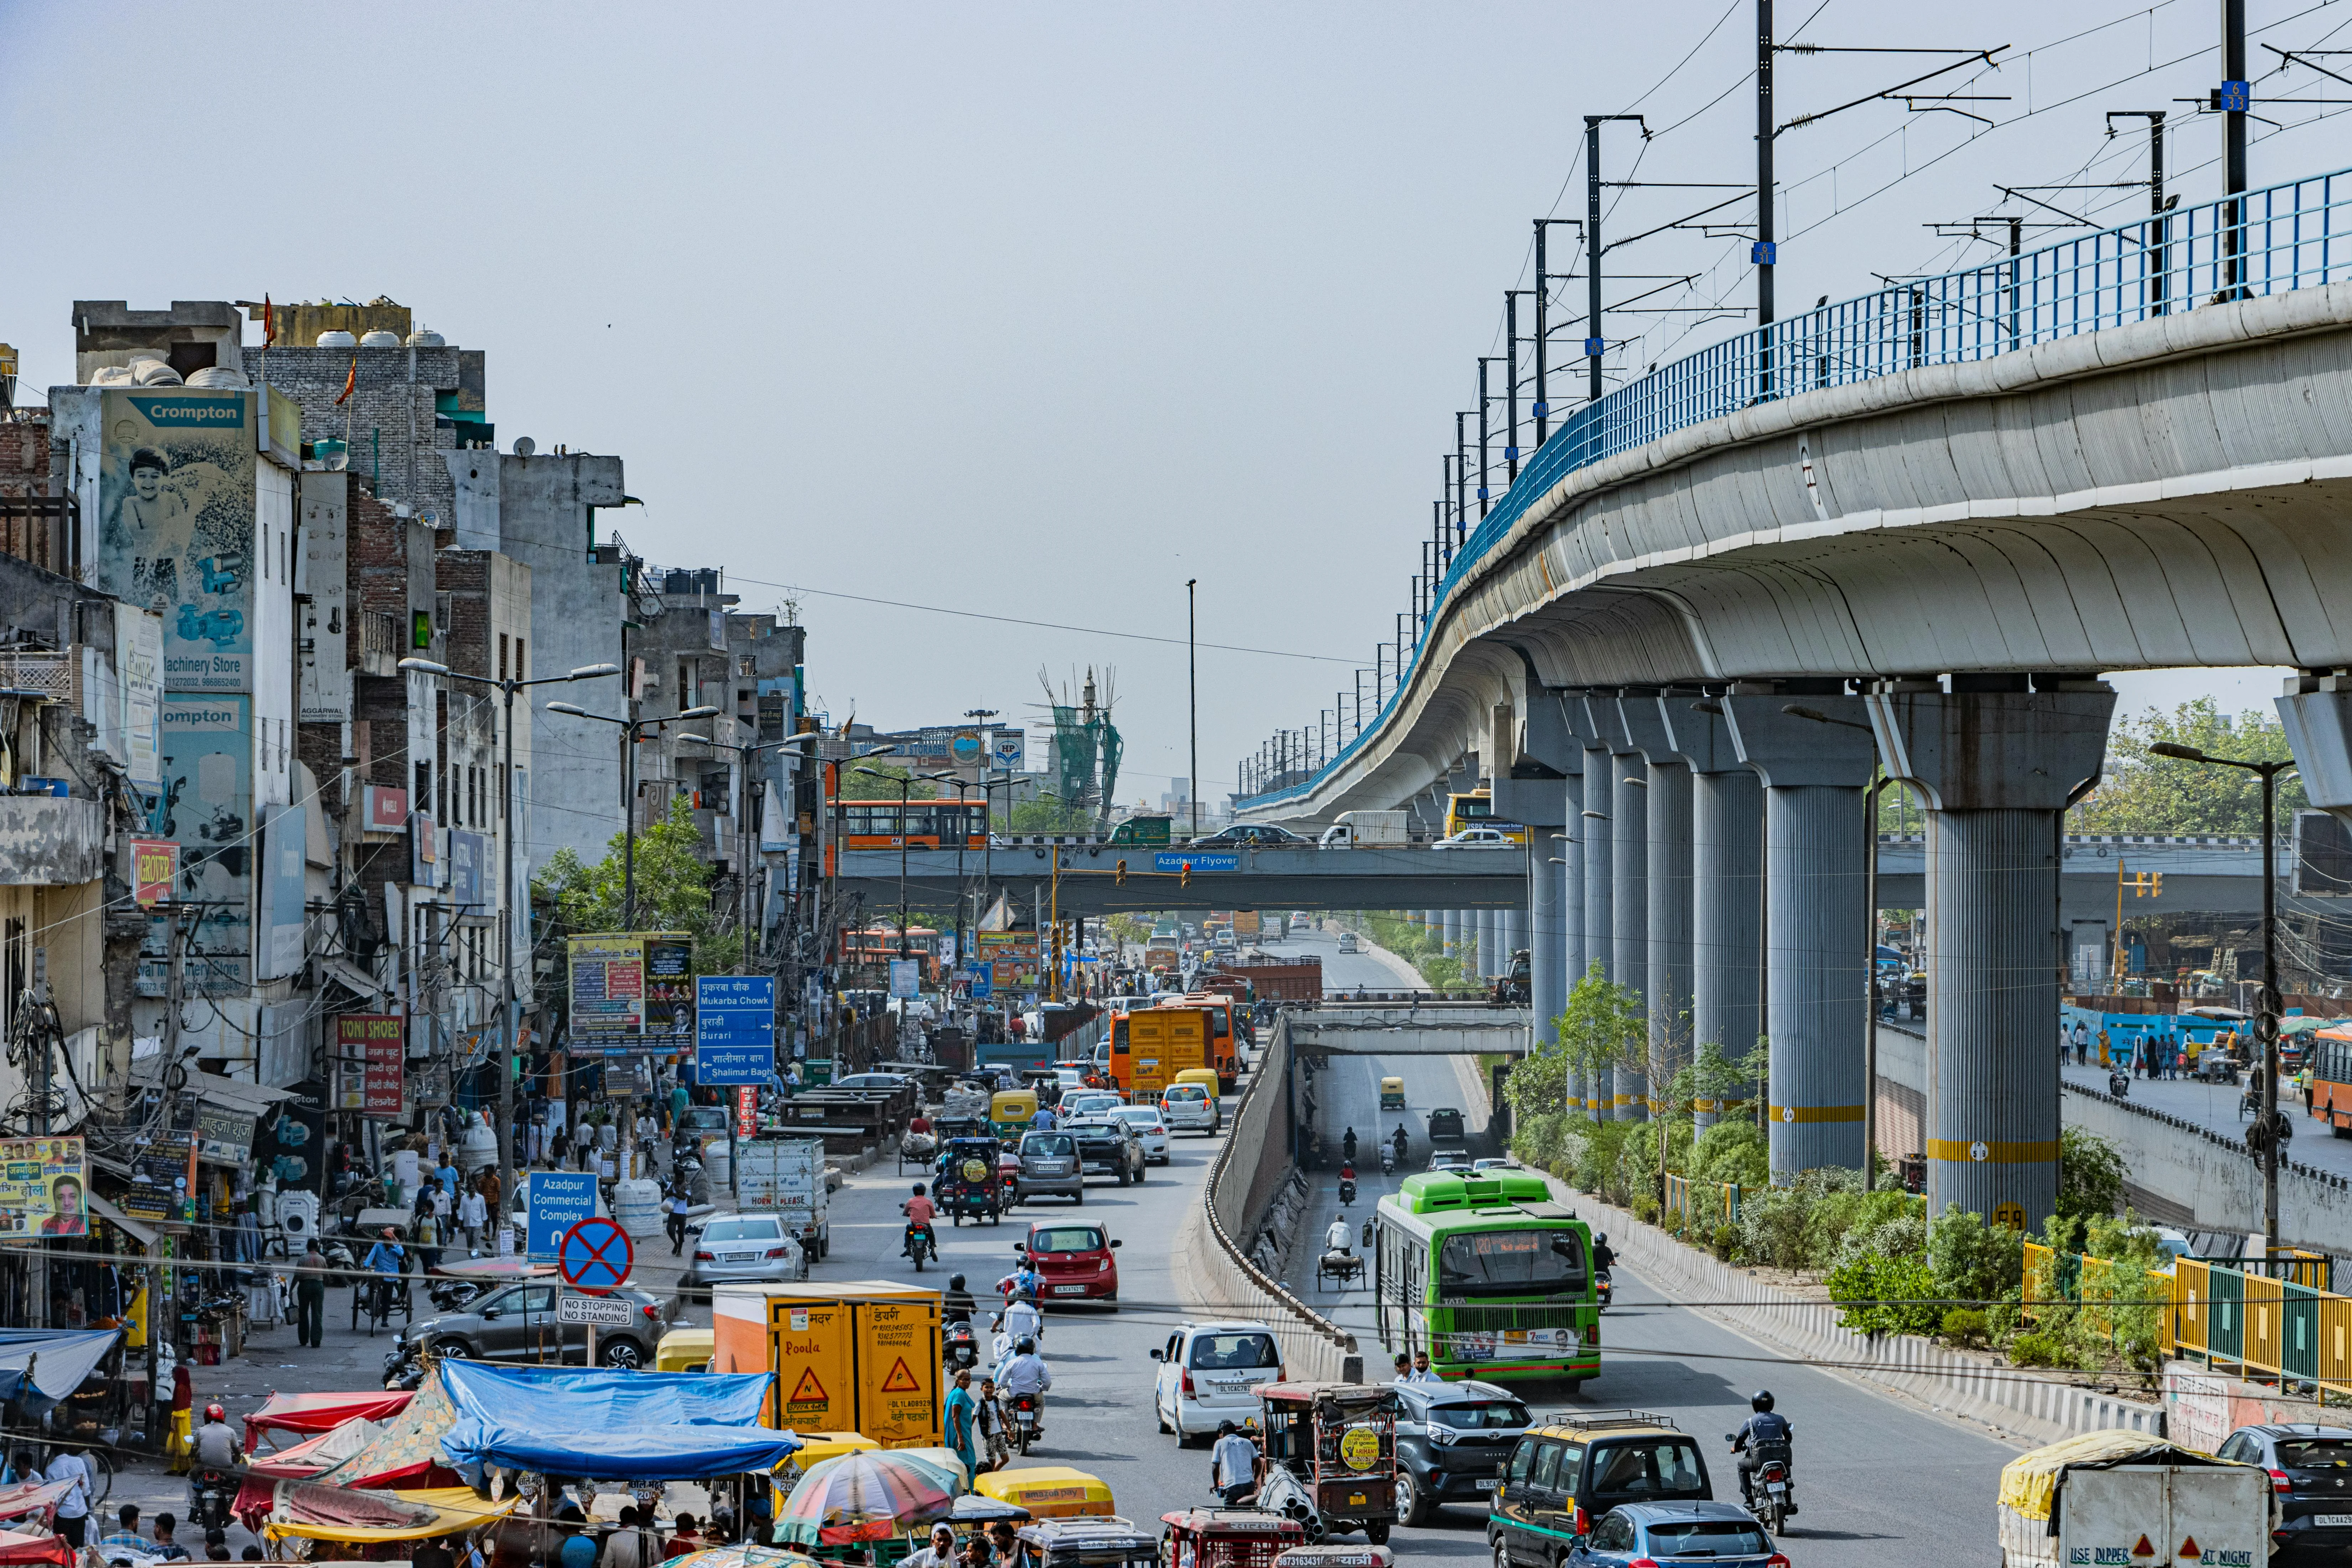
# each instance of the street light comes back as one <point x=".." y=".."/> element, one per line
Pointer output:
<point x="2266" y="1007"/>
<point x="633" y="730"/>
<point x="508" y="686"/>
<point x="744" y="824"/>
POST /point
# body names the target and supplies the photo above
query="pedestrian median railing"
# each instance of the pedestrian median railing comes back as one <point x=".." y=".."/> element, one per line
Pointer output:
<point x="2273" y="1321"/>
<point x="1701" y="1206"/>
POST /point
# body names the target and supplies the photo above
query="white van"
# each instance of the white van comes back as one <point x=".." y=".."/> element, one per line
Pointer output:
<point x="1365" y="829"/>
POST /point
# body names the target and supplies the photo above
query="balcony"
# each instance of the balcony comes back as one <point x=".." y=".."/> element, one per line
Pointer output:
<point x="380" y="643"/>
<point x="51" y="841"/>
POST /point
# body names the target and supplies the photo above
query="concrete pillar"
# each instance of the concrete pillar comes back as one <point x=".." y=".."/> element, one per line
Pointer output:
<point x="1726" y="883"/>
<point x="1815" y="771"/>
<point x="1629" y="829"/>
<point x="1997" y="765"/>
<point x="1555" y="912"/>
<point x="1600" y="885"/>
<point x="1668" y="878"/>
<point x="1454" y="933"/>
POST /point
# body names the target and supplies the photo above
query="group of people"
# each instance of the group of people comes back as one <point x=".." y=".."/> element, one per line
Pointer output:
<point x="998" y="1546"/>
<point x="124" y="1543"/>
<point x="2154" y="1053"/>
<point x="979" y="1411"/>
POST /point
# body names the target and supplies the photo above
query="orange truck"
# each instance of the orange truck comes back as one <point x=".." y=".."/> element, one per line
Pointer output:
<point x="1149" y="1046"/>
<point x="1220" y="1006"/>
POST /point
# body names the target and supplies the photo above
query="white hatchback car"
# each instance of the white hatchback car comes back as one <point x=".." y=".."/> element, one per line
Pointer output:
<point x="1188" y="1105"/>
<point x="1145" y="1120"/>
<point x="1205" y="1375"/>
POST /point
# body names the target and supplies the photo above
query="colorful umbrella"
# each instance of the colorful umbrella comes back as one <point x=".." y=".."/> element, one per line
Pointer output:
<point x="870" y="1495"/>
<point x="742" y="1556"/>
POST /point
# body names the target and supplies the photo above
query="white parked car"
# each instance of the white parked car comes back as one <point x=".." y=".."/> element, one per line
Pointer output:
<point x="1188" y="1105"/>
<point x="1206" y="1371"/>
<point x="1145" y="1120"/>
<point x="1478" y="839"/>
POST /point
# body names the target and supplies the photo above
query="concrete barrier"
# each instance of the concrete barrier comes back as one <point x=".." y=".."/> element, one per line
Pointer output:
<point x="1212" y="1265"/>
<point x="2030" y="1406"/>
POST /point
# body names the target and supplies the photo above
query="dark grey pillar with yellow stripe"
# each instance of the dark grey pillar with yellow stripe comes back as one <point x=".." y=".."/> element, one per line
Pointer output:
<point x="1997" y="759"/>
<point x="1813" y="748"/>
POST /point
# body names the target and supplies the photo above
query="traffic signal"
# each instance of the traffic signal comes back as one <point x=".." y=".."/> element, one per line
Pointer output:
<point x="1184" y="876"/>
<point x="1119" y="877"/>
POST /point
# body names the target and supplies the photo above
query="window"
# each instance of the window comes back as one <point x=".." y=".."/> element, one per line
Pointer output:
<point x="521" y="671"/>
<point x="1225" y="1353"/>
<point x="1048" y="1145"/>
<point x="1708" y="1537"/>
<point x="2315" y="1453"/>
<point x="1066" y="1239"/>
<point x="502" y="656"/>
<point x="1649" y="1468"/>
<point x="1546" y="1473"/>
<point x="1614" y="1533"/>
<point x="1523" y="1459"/>
<point x="1484" y="1414"/>
<point x="741" y="1230"/>
<point x="1511" y="1263"/>
<point x="420" y="628"/>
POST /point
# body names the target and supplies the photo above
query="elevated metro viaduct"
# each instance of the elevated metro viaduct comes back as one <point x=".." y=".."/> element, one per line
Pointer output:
<point x="1909" y="531"/>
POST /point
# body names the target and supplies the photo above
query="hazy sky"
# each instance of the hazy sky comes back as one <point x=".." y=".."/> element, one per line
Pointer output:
<point x="1038" y="311"/>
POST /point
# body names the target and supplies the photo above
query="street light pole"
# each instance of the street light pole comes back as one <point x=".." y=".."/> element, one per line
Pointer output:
<point x="2266" y="1007"/>
<point x="632" y="732"/>
<point x="744" y="753"/>
<point x="509" y="994"/>
<point x="1192" y="698"/>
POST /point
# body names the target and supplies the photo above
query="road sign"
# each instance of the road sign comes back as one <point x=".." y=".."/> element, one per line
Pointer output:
<point x="736" y="1066"/>
<point x="1172" y="860"/>
<point x="598" y="1311"/>
<point x="595" y="1255"/>
<point x="983" y="979"/>
<point x="734" y="1029"/>
<point x="557" y="1201"/>
<point x="906" y="978"/>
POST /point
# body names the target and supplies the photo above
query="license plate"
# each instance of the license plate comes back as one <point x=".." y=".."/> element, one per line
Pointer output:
<point x="2333" y="1520"/>
<point x="1069" y="1289"/>
<point x="740" y="1258"/>
<point x="1492" y="1484"/>
<point x="1776" y="1486"/>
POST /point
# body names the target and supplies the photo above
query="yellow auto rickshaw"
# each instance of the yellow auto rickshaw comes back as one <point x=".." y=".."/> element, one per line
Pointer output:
<point x="1391" y="1094"/>
<point x="1049" y="1492"/>
<point x="685" y="1350"/>
<point x="1010" y="1111"/>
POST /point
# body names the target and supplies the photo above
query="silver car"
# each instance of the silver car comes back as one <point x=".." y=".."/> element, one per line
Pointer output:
<point x="733" y="1248"/>
<point x="519" y="1322"/>
<point x="1049" y="1166"/>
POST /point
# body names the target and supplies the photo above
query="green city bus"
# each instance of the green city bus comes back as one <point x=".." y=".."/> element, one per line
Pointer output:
<point x="1489" y="1276"/>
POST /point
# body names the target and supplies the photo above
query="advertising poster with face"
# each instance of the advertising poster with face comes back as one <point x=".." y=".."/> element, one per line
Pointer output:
<point x="176" y="532"/>
<point x="43" y="1186"/>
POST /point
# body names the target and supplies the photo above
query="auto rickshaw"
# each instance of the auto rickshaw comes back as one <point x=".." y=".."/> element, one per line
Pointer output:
<point x="1226" y="1537"/>
<point x="1338" y="1441"/>
<point x="968" y="1185"/>
<point x="1010" y="1111"/>
<point x="1322" y="1556"/>
<point x="1049" y="1492"/>
<point x="1108" y="1541"/>
<point x="1391" y="1094"/>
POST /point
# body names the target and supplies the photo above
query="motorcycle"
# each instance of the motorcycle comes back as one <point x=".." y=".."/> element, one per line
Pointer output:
<point x="1770" y="1490"/>
<point x="449" y="1295"/>
<point x="1347" y="1191"/>
<point x="214" y="1493"/>
<point x="2118" y="1082"/>
<point x="921" y="1242"/>
<point x="960" y="1349"/>
<point x="403" y="1369"/>
<point x="1387" y="1160"/>
<point x="1025" y="1429"/>
<point x="1606" y="1287"/>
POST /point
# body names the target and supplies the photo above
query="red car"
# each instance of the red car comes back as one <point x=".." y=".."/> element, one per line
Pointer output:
<point x="1074" y="1261"/>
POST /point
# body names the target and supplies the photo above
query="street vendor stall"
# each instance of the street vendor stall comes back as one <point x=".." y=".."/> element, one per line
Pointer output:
<point x="874" y="1502"/>
<point x="17" y="1546"/>
<point x="307" y="1414"/>
<point x="407" y="1449"/>
<point x="304" y="1461"/>
<point x="57" y="1359"/>
<point x="609" y="1425"/>
<point x="309" y="1511"/>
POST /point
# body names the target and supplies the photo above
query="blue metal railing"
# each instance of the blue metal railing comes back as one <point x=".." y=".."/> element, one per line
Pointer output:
<point x="2293" y="235"/>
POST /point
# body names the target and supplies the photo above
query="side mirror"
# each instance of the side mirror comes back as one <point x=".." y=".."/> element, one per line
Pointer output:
<point x="1020" y="1246"/>
<point x="489" y="1313"/>
<point x="1118" y="1244"/>
<point x="1157" y="1354"/>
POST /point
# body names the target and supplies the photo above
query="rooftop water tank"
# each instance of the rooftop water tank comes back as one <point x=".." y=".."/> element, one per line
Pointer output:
<point x="338" y="339"/>
<point x="426" y="338"/>
<point x="380" y="338"/>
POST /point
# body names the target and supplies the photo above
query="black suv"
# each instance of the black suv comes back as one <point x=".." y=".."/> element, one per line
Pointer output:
<point x="1452" y="1439"/>
<point x="1445" y="1125"/>
<point x="1108" y="1147"/>
<point x="2313" y="1466"/>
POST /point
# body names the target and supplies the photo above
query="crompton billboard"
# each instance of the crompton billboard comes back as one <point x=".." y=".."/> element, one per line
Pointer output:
<point x="176" y="506"/>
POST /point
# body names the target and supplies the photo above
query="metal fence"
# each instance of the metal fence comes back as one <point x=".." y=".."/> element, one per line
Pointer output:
<point x="2293" y="235"/>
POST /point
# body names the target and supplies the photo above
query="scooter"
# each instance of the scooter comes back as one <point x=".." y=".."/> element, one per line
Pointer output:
<point x="215" y="1492"/>
<point x="1387" y="1160"/>
<point x="960" y="1349"/>
<point x="1606" y="1287"/>
<point x="1347" y="1191"/>
<point x="2118" y="1082"/>
<point x="922" y="1243"/>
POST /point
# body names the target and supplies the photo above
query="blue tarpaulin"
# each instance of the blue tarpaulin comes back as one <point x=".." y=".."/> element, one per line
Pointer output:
<point x="59" y="1360"/>
<point x="609" y="1425"/>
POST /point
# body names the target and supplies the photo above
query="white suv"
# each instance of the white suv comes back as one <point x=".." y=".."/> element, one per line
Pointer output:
<point x="1206" y="1373"/>
<point x="1188" y="1105"/>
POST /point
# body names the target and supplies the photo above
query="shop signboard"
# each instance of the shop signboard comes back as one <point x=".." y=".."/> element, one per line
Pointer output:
<point x="369" y="1052"/>
<point x="632" y="985"/>
<point x="154" y="865"/>
<point x="1011" y="958"/>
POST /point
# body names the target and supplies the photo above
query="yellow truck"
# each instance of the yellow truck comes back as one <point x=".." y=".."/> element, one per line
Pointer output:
<point x="1149" y="1046"/>
<point x="858" y="1355"/>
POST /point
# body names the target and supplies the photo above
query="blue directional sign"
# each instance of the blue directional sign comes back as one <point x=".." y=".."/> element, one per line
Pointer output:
<point x="983" y="979"/>
<point x="734" y="1029"/>
<point x="558" y="1200"/>
<point x="1176" y="859"/>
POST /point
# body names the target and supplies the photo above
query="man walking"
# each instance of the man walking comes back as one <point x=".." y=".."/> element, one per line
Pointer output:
<point x="1233" y="1465"/>
<point x="310" y="1297"/>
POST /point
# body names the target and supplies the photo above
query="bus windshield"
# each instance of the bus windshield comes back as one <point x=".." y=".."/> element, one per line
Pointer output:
<point x="1511" y="1263"/>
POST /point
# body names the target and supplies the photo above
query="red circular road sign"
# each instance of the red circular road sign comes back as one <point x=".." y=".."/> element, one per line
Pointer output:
<point x="596" y="1256"/>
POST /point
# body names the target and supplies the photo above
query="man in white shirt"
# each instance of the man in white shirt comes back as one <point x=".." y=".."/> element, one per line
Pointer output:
<point x="73" y="1509"/>
<point x="1338" y="1236"/>
<point x="1023" y="1322"/>
<point x="939" y="1553"/>
<point x="1233" y="1465"/>
<point x="473" y="1213"/>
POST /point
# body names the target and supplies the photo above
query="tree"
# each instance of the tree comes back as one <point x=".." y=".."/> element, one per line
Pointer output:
<point x="1047" y="813"/>
<point x="2090" y="1175"/>
<point x="1604" y="1026"/>
<point x="858" y="783"/>
<point x="2143" y="792"/>
<point x="673" y="888"/>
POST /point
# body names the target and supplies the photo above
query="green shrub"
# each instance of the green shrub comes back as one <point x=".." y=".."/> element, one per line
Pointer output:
<point x="1966" y="1326"/>
<point x="1885" y="1295"/>
<point x="1646" y="1208"/>
<point x="2038" y="1350"/>
<point x="1723" y="1242"/>
<point x="1974" y="1261"/>
<point x="2090" y="1173"/>
<point x="1731" y="1152"/>
<point x="1772" y="1224"/>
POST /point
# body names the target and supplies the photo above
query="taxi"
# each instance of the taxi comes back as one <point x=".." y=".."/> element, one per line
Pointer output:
<point x="1569" y="1470"/>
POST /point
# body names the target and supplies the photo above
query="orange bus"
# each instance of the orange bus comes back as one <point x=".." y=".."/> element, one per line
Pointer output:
<point x="2330" y="1058"/>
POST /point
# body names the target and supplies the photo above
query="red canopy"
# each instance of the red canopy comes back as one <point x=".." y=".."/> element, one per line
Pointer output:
<point x="311" y="1414"/>
<point x="16" y="1547"/>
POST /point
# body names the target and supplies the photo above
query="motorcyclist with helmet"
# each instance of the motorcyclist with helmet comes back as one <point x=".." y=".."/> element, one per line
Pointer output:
<point x="958" y="1302"/>
<point x="1765" y="1434"/>
<point x="919" y="1211"/>
<point x="214" y="1449"/>
<point x="1347" y="1146"/>
<point x="1027" y="1373"/>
